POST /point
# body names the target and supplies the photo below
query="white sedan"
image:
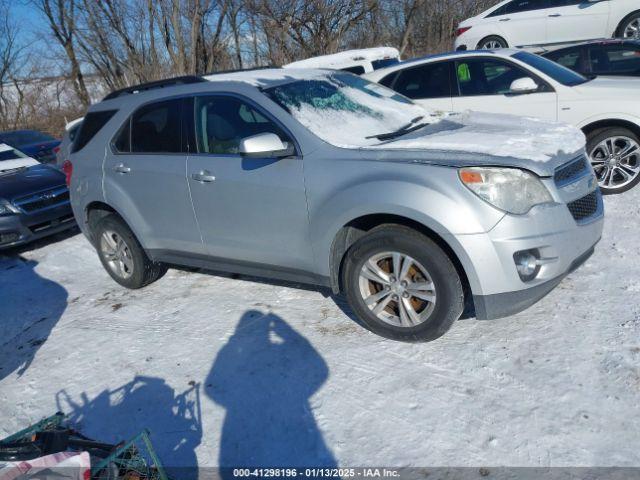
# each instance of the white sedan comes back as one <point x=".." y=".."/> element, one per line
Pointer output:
<point x="521" y="83"/>
<point x="529" y="23"/>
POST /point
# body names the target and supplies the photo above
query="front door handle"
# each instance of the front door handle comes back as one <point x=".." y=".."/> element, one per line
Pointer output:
<point x="122" y="168"/>
<point x="505" y="19"/>
<point x="555" y="15"/>
<point x="204" y="177"/>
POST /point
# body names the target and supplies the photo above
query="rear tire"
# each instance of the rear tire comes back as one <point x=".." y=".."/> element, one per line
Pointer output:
<point x="123" y="257"/>
<point x="402" y="285"/>
<point x="630" y="27"/>
<point x="492" y="42"/>
<point x="614" y="154"/>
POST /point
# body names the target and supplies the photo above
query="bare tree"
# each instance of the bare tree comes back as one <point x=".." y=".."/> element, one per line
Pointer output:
<point x="61" y="17"/>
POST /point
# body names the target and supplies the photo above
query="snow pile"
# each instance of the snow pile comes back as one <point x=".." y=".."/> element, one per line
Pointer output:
<point x="498" y="135"/>
<point x="191" y="359"/>
<point x="346" y="58"/>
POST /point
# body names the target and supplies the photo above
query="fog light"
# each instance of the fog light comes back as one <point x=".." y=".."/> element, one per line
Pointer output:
<point x="9" y="237"/>
<point x="527" y="264"/>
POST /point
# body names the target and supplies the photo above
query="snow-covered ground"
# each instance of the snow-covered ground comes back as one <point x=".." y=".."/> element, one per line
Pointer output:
<point x="243" y="371"/>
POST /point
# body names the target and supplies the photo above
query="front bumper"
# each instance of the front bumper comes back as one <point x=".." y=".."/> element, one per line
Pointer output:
<point x="563" y="244"/>
<point x="19" y="229"/>
<point x="499" y="305"/>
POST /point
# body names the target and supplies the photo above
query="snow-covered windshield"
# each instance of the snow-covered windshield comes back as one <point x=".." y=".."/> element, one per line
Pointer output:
<point x="347" y="111"/>
<point x="8" y="153"/>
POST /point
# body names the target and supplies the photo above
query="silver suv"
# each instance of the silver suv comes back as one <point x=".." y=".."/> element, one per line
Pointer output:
<point x="324" y="178"/>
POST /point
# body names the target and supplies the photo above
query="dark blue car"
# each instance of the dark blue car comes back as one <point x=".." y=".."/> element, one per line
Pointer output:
<point x="604" y="57"/>
<point x="35" y="144"/>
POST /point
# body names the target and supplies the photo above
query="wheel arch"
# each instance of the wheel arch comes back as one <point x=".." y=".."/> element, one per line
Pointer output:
<point x="617" y="32"/>
<point x="597" y="125"/>
<point x="96" y="211"/>
<point x="351" y="232"/>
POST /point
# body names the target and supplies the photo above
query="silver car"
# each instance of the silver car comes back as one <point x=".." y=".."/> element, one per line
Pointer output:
<point x="324" y="178"/>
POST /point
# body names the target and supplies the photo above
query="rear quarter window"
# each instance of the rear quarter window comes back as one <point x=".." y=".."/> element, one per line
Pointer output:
<point x="91" y="125"/>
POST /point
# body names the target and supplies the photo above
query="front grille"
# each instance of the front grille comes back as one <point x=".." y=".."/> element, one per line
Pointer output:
<point x="43" y="200"/>
<point x="571" y="171"/>
<point x="585" y="207"/>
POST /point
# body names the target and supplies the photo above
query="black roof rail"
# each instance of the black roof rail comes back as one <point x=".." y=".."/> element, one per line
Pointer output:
<point x="170" y="82"/>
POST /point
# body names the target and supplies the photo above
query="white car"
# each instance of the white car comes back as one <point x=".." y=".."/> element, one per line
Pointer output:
<point x="355" y="61"/>
<point x="521" y="83"/>
<point x="530" y="23"/>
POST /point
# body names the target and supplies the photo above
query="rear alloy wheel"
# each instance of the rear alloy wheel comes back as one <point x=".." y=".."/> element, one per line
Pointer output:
<point x="630" y="27"/>
<point x="402" y="285"/>
<point x="492" y="43"/>
<point x="123" y="257"/>
<point x="615" y="157"/>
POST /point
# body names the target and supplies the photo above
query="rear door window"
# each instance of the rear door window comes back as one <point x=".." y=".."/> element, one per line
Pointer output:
<point x="426" y="81"/>
<point x="156" y="128"/>
<point x="618" y="59"/>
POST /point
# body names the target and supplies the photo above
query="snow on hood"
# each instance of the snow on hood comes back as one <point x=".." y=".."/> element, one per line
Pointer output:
<point x="10" y="159"/>
<point x="497" y="135"/>
<point x="6" y="165"/>
<point x="346" y="58"/>
<point x="359" y="110"/>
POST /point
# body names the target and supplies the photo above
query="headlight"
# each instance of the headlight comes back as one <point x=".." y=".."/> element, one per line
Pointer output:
<point x="509" y="189"/>
<point x="6" y="208"/>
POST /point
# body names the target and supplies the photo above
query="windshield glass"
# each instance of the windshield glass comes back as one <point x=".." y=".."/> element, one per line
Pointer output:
<point x="24" y="137"/>
<point x="556" y="71"/>
<point x="345" y="110"/>
<point x="8" y="153"/>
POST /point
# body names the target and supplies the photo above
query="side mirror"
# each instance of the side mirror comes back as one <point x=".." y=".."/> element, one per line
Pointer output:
<point x="524" y="85"/>
<point x="265" y="145"/>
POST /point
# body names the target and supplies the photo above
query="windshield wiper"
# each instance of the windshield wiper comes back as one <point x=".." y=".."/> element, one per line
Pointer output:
<point x="408" y="128"/>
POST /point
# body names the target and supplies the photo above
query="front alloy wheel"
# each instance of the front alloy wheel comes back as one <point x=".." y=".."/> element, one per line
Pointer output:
<point x="401" y="284"/>
<point x="616" y="162"/>
<point x="397" y="289"/>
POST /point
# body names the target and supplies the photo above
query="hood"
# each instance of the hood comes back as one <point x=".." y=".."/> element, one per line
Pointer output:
<point x="473" y="138"/>
<point x="611" y="87"/>
<point x="29" y="180"/>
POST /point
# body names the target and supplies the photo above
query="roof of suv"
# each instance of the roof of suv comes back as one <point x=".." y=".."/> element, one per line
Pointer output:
<point x="257" y="78"/>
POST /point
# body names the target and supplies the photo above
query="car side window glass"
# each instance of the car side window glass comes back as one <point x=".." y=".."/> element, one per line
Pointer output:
<point x="156" y="128"/>
<point x="426" y="81"/>
<point x="615" y="59"/>
<point x="570" y="59"/>
<point x="356" y="69"/>
<point x="519" y="6"/>
<point x="486" y="76"/>
<point x="222" y="122"/>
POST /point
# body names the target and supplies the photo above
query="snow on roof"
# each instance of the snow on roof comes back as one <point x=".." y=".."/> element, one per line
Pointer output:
<point x="268" y="77"/>
<point x="346" y="58"/>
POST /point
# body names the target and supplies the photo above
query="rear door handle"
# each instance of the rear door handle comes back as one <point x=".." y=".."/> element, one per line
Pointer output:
<point x="204" y="177"/>
<point x="505" y="19"/>
<point x="555" y="15"/>
<point x="122" y="168"/>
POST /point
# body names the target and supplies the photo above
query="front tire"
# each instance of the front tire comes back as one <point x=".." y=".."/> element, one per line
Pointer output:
<point x="402" y="285"/>
<point x="614" y="154"/>
<point x="630" y="27"/>
<point x="493" y="42"/>
<point x="123" y="257"/>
